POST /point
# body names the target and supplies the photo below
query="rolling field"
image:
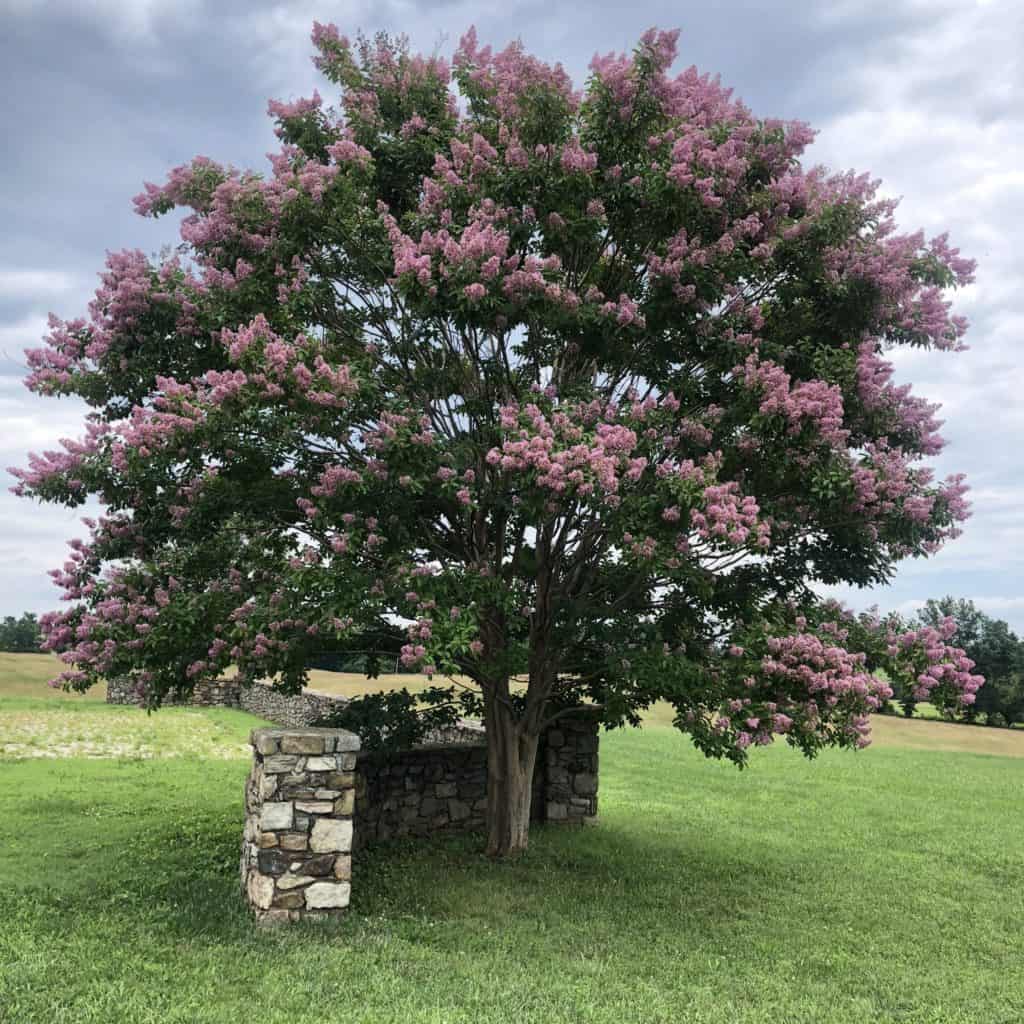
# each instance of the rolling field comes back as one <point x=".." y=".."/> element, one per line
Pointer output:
<point x="880" y="886"/>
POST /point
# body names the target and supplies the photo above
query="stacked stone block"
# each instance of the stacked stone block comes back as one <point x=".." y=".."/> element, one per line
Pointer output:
<point x="300" y="801"/>
<point x="569" y="760"/>
<point x="419" y="792"/>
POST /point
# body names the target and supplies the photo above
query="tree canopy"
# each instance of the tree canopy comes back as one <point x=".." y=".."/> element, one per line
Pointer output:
<point x="584" y="389"/>
<point x="20" y="635"/>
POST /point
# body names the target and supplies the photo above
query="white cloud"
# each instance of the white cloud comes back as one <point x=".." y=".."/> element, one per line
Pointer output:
<point x="16" y="337"/>
<point x="20" y="283"/>
<point x="31" y="422"/>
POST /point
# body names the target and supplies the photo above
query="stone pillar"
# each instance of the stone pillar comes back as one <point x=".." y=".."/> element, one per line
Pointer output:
<point x="299" y="803"/>
<point x="570" y="770"/>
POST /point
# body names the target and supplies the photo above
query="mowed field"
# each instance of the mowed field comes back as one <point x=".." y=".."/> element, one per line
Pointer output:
<point x="878" y="886"/>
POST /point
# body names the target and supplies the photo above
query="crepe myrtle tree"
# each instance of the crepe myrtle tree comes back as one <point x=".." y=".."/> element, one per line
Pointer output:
<point x="573" y="394"/>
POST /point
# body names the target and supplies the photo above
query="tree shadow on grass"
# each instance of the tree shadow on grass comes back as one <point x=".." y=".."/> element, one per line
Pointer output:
<point x="610" y="873"/>
<point x="180" y="882"/>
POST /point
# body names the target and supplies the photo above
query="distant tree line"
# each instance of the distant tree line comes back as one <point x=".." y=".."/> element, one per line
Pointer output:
<point x="366" y="663"/>
<point x="998" y="654"/>
<point x="20" y="636"/>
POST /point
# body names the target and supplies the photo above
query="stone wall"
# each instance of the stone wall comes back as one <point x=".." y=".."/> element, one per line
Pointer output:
<point x="419" y="792"/>
<point x="464" y="731"/>
<point x="122" y="691"/>
<point x="291" y="710"/>
<point x="297" y="844"/>
<point x="312" y="797"/>
<point x="442" y="787"/>
<point x="568" y="756"/>
<point x="294" y="710"/>
<point x="221" y="693"/>
<point x="307" y="784"/>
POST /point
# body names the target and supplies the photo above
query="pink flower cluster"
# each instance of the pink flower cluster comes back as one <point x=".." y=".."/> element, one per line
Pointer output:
<point x="559" y="457"/>
<point x="806" y="686"/>
<point x="886" y="485"/>
<point x="883" y="479"/>
<point x="728" y="515"/>
<point x="911" y="416"/>
<point x="823" y="669"/>
<point x="297" y="108"/>
<point x="938" y="670"/>
<point x="129" y="291"/>
<point x="681" y="256"/>
<point x="333" y="479"/>
<point x="807" y="402"/>
<point x="584" y="451"/>
<point x="274" y="364"/>
<point x="347" y="151"/>
<point x="480" y="261"/>
<point x="60" y="467"/>
<point x="506" y="77"/>
<point x="691" y="155"/>
<point x="891" y="263"/>
<point x="380" y="75"/>
<point x="811" y="686"/>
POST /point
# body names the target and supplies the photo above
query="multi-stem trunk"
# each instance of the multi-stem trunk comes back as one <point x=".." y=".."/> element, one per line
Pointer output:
<point x="511" y="756"/>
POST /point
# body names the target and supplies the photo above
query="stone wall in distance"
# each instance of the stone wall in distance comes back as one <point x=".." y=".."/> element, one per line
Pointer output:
<point x="294" y="710"/>
<point x="221" y="693"/>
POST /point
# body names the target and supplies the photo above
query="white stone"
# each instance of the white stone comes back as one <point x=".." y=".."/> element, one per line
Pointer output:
<point x="331" y="835"/>
<point x="322" y="764"/>
<point x="314" y="806"/>
<point x="265" y="741"/>
<point x="268" y="786"/>
<point x="328" y="894"/>
<point x="346" y="741"/>
<point x="276" y="815"/>
<point x="304" y="742"/>
<point x="261" y="890"/>
<point x="291" y="881"/>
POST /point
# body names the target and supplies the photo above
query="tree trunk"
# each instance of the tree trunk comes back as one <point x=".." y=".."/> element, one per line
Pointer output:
<point x="511" y="756"/>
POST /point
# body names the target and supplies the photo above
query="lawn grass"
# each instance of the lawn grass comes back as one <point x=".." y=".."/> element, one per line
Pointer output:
<point x="881" y="886"/>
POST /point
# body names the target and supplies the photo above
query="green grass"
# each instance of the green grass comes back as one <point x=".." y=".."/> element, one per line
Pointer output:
<point x="883" y="886"/>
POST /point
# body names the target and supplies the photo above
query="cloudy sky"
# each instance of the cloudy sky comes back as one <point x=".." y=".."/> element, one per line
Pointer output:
<point x="928" y="95"/>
